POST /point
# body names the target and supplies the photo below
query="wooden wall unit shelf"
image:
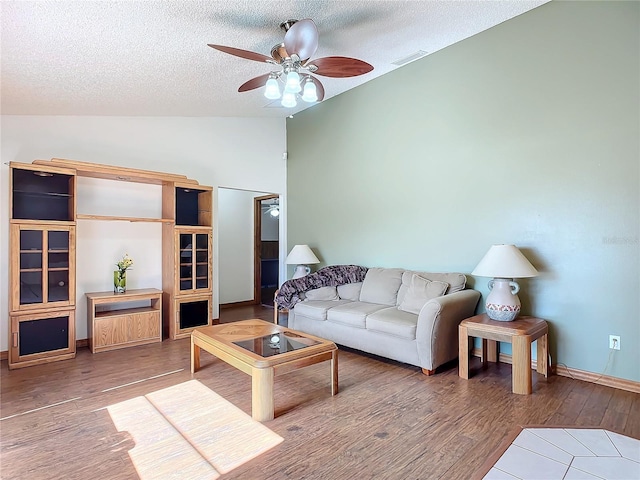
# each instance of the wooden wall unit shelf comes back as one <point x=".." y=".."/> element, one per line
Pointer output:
<point x="111" y="218"/>
<point x="42" y="299"/>
<point x="113" y="172"/>
<point x="111" y="328"/>
<point x="187" y="258"/>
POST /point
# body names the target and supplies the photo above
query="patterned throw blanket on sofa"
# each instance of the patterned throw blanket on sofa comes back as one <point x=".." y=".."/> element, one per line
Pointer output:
<point x="330" y="276"/>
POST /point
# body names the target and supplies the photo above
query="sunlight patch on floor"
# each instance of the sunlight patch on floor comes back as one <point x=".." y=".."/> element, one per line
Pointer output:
<point x="188" y="431"/>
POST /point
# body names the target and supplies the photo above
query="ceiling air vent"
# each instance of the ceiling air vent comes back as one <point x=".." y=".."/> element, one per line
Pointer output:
<point x="410" y="58"/>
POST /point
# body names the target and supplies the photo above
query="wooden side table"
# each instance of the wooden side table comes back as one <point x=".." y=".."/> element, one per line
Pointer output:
<point x="520" y="333"/>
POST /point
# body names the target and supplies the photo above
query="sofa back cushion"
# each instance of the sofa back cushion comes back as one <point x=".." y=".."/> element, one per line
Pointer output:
<point x="350" y="291"/>
<point x="322" y="293"/>
<point x="381" y="286"/>
<point x="420" y="291"/>
<point x="456" y="281"/>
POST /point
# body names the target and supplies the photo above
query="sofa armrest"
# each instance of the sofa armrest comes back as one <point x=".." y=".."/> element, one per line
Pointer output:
<point x="437" y="329"/>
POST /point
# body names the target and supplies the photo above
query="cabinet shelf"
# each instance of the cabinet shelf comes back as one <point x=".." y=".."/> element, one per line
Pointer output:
<point x="111" y="218"/>
<point x="124" y="312"/>
<point x="28" y="193"/>
<point x="42" y="194"/>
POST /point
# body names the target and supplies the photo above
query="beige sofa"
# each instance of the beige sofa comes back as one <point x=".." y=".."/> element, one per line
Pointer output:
<point x="408" y="316"/>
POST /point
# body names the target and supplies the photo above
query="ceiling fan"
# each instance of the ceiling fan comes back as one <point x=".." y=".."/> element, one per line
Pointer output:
<point x="273" y="209"/>
<point x="293" y="56"/>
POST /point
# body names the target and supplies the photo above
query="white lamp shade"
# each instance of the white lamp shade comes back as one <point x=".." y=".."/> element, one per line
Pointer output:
<point x="310" y="94"/>
<point x="504" y="261"/>
<point x="272" y="90"/>
<point x="301" y="255"/>
<point x="293" y="82"/>
<point x="288" y="100"/>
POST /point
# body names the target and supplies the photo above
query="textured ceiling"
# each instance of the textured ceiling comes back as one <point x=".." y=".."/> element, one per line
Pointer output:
<point x="138" y="57"/>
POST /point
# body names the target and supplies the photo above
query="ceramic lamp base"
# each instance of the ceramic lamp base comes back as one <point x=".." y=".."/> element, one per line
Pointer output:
<point x="301" y="271"/>
<point x="503" y="303"/>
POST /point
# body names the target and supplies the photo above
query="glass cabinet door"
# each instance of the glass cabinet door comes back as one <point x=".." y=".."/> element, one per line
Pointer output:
<point x="186" y="261"/>
<point x="44" y="266"/>
<point x="31" y="266"/>
<point x="194" y="261"/>
<point x="202" y="260"/>
<point x="58" y="266"/>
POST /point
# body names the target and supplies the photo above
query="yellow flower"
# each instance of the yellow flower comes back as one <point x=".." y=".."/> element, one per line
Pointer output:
<point x="125" y="263"/>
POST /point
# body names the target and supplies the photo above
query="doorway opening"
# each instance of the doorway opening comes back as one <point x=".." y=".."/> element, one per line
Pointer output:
<point x="267" y="248"/>
<point x="245" y="221"/>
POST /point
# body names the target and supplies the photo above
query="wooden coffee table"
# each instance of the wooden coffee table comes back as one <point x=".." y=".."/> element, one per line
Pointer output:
<point x="264" y="351"/>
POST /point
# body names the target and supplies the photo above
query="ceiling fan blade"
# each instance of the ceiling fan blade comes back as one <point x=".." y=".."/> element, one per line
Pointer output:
<point x="258" y="57"/>
<point x="340" y="67"/>
<point x="254" y="83"/>
<point x="302" y="39"/>
<point x="319" y="88"/>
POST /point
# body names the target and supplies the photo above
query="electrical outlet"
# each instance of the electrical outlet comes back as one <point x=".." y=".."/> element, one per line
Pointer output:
<point x="614" y="342"/>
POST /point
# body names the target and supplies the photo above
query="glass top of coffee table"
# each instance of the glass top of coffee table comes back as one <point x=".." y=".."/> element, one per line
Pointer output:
<point x="276" y="343"/>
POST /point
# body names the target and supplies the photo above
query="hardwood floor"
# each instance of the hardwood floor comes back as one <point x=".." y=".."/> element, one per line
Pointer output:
<point x="389" y="421"/>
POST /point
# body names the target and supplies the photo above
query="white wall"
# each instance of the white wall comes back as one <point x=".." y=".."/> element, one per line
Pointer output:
<point x="236" y="242"/>
<point x="231" y="152"/>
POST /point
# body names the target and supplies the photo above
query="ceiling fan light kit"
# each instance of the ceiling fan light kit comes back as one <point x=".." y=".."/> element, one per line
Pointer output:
<point x="310" y="94"/>
<point x="272" y="90"/>
<point x="289" y="99"/>
<point x="293" y="58"/>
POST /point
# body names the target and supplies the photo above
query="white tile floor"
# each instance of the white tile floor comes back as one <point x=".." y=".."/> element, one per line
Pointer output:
<point x="569" y="454"/>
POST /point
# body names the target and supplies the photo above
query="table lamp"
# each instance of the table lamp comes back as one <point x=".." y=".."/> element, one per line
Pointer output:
<point x="504" y="263"/>
<point x="302" y="256"/>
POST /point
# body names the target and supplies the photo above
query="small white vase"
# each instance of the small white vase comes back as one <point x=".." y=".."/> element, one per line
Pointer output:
<point x="503" y="303"/>
<point x="301" y="271"/>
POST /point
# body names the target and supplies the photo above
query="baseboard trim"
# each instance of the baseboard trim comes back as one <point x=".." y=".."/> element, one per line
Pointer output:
<point x="245" y="303"/>
<point x="564" y="371"/>
<point x="606" y="380"/>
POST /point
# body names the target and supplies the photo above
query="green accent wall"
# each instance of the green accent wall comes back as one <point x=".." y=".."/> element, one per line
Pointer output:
<point x="527" y="133"/>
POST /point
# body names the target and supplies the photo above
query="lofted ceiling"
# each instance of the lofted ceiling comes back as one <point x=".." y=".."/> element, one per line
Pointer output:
<point x="150" y="58"/>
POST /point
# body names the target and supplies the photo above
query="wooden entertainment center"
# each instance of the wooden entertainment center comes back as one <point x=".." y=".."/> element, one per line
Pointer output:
<point x="42" y="263"/>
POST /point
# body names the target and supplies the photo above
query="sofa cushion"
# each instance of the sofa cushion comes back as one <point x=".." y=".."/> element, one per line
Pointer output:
<point x="350" y="291"/>
<point x="420" y="292"/>
<point x="322" y="293"/>
<point x="381" y="286"/>
<point x="392" y="321"/>
<point x="352" y="313"/>
<point x="456" y="281"/>
<point x="316" y="309"/>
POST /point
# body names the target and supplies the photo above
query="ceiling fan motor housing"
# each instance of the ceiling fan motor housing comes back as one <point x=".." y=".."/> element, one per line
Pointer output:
<point x="287" y="25"/>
